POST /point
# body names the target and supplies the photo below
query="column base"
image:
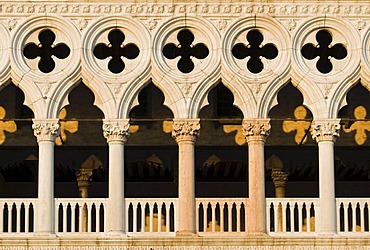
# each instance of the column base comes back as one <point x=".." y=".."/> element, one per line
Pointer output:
<point x="186" y="234"/>
<point x="117" y="234"/>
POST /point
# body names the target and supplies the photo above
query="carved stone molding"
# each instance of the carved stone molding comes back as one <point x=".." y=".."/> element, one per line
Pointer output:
<point x="116" y="130"/>
<point x="150" y="8"/>
<point x="256" y="129"/>
<point x="186" y="129"/>
<point x="325" y="130"/>
<point x="46" y="129"/>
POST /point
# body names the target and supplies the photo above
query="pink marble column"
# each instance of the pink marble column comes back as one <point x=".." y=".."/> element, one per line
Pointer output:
<point x="46" y="130"/>
<point x="185" y="132"/>
<point x="116" y="131"/>
<point x="255" y="132"/>
<point x="325" y="132"/>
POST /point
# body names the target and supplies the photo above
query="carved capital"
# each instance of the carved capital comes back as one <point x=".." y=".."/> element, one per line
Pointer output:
<point x="279" y="178"/>
<point x="325" y="130"/>
<point x="46" y="129"/>
<point x="256" y="129"/>
<point x="84" y="177"/>
<point x="116" y="129"/>
<point x="186" y="129"/>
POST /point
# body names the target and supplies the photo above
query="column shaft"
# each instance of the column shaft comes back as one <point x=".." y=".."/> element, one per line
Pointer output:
<point x="185" y="132"/>
<point x="116" y="131"/>
<point x="325" y="132"/>
<point x="255" y="132"/>
<point x="46" y="131"/>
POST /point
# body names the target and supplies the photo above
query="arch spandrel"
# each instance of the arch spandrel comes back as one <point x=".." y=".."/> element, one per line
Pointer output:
<point x="323" y="80"/>
<point x="248" y="36"/>
<point x="121" y="80"/>
<point x="187" y="84"/>
<point x="4" y="55"/>
<point x="44" y="87"/>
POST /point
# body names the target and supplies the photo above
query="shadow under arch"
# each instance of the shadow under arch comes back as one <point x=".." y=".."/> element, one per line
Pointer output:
<point x="151" y="154"/>
<point x="81" y="136"/>
<point x="18" y="146"/>
<point x="290" y="140"/>
<point x="221" y="152"/>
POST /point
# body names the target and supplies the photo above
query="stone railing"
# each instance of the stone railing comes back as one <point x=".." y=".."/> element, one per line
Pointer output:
<point x="292" y="215"/>
<point x="17" y="215"/>
<point x="224" y="215"/>
<point x="151" y="215"/>
<point x="68" y="213"/>
<point x="353" y="215"/>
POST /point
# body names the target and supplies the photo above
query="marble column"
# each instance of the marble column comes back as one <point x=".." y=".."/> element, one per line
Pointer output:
<point x="185" y="132"/>
<point x="46" y="130"/>
<point x="255" y="132"/>
<point x="116" y="131"/>
<point x="83" y="183"/>
<point x="325" y="133"/>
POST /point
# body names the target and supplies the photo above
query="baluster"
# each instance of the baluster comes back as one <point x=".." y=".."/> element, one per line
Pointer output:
<point x="292" y="218"/>
<point x="308" y="219"/>
<point x="237" y="219"/>
<point x="10" y="206"/>
<point x="345" y="209"/>
<point x="362" y="215"/>
<point x="230" y="219"/>
<point x="213" y="210"/>
<point x="151" y="217"/>
<point x="354" y="217"/>
<point x="2" y="217"/>
<point x="134" y="217"/>
<point x="205" y="224"/>
<point x="18" y="215"/>
<point x="168" y="209"/>
<point x="159" y="217"/>
<point x="97" y="216"/>
<point x="65" y="208"/>
<point x="80" y="215"/>
<point x="197" y="204"/>
<point x="26" y="217"/>
<point x="56" y="217"/>
<point x="283" y="216"/>
<point x="268" y="226"/>
<point x="88" y="217"/>
<point x="300" y="215"/>
<point x="338" y="203"/>
<point x="143" y="218"/>
<point x="276" y="216"/>
<point x="73" y="217"/>
<point x="222" y="219"/>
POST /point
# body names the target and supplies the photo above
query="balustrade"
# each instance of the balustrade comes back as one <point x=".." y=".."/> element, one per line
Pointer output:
<point x="221" y="215"/>
<point x="289" y="215"/>
<point x="151" y="215"/>
<point x="17" y="215"/>
<point x="80" y="215"/>
<point x="353" y="215"/>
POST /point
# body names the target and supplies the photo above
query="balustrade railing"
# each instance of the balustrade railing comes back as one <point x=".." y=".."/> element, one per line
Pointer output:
<point x="221" y="215"/>
<point x="17" y="215"/>
<point x="289" y="215"/>
<point x="80" y="215"/>
<point x="353" y="215"/>
<point x="151" y="215"/>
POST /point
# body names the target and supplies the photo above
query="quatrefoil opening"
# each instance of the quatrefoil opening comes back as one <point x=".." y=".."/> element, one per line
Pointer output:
<point x="186" y="50"/>
<point x="255" y="51"/>
<point x="324" y="50"/>
<point x="46" y="50"/>
<point x="116" y="51"/>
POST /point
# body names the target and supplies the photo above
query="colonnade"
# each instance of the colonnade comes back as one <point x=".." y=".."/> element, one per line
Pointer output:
<point x="185" y="132"/>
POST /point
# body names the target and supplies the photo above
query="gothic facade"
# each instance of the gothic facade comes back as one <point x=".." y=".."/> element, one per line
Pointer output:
<point x="254" y="94"/>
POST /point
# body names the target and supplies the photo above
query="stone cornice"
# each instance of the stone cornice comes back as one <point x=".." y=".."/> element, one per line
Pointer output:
<point x="46" y="129"/>
<point x="256" y="129"/>
<point x="325" y="130"/>
<point x="186" y="129"/>
<point x="212" y="9"/>
<point x="117" y="130"/>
